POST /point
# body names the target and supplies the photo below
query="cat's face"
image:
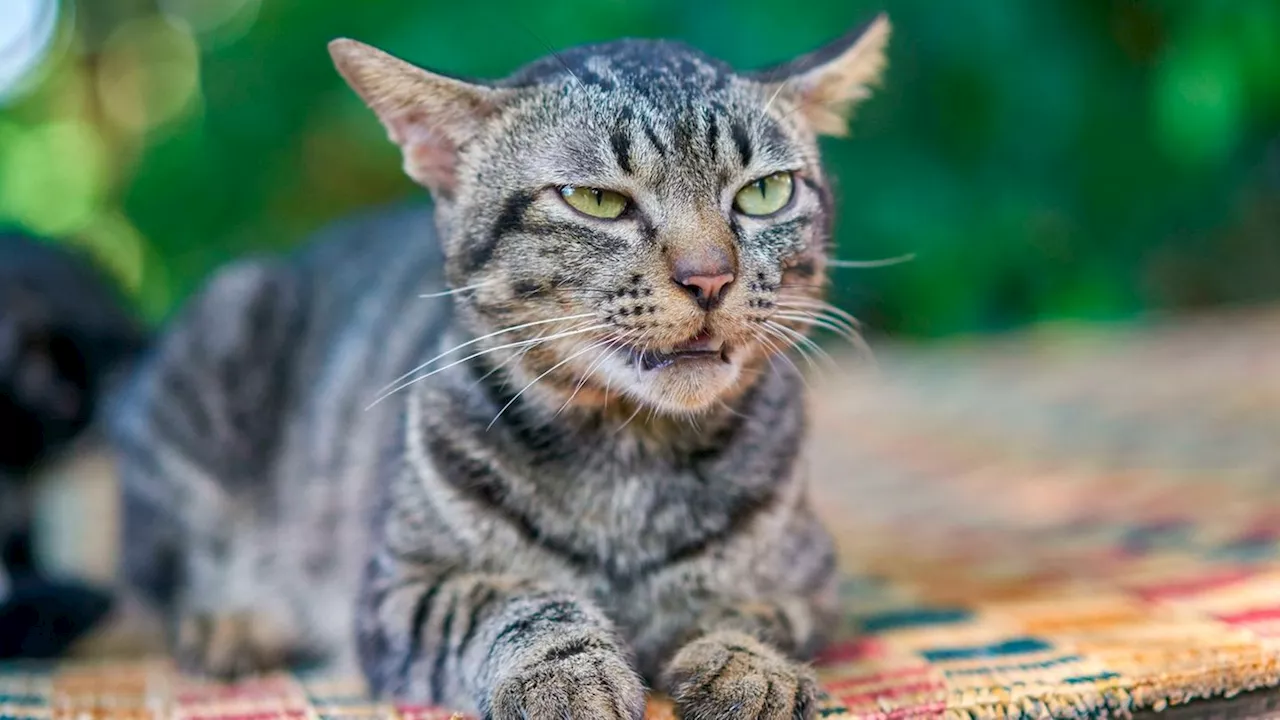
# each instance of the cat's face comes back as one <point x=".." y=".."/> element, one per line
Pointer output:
<point x="654" y="224"/>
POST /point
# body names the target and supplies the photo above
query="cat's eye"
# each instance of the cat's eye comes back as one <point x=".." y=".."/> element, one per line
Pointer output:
<point x="604" y="204"/>
<point x="766" y="195"/>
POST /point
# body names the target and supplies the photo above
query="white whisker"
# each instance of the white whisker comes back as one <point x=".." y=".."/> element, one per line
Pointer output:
<point x="790" y="343"/>
<point x="516" y="356"/>
<point x="472" y="356"/>
<point x="588" y="348"/>
<point x="809" y="303"/>
<point x="627" y="422"/>
<point x="864" y="264"/>
<point x="822" y="322"/>
<point x="782" y="353"/>
<point x="473" y="341"/>
<point x="729" y="409"/>
<point x="456" y="291"/>
<point x="775" y="95"/>
<point x="802" y="339"/>
<point x="837" y="324"/>
<point x="852" y="336"/>
<point x="610" y="348"/>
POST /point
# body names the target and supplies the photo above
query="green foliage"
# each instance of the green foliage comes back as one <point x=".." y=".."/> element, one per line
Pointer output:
<point x="1048" y="159"/>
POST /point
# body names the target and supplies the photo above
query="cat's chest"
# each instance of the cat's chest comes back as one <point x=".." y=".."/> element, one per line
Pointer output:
<point x="619" y="522"/>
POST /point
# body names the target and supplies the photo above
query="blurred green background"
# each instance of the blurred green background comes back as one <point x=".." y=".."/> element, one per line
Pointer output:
<point x="1045" y="159"/>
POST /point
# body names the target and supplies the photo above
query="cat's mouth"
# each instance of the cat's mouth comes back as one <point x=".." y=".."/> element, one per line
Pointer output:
<point x="703" y="348"/>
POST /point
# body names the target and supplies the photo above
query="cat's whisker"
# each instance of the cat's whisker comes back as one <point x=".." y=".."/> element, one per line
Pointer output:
<point x="775" y="95"/>
<point x="473" y="341"/>
<point x="789" y="343"/>
<point x="820" y="321"/>
<point x="533" y="382"/>
<point x="456" y="291"/>
<point x="644" y="348"/>
<point x="609" y="350"/>
<point x="729" y="409"/>
<point x="555" y="55"/>
<point x="814" y="303"/>
<point x="802" y="341"/>
<point x="837" y="324"/>
<point x="472" y="356"/>
<point x="608" y="381"/>
<point x="853" y="337"/>
<point x="514" y="357"/>
<point x="867" y="264"/>
<point x="781" y="353"/>
<point x="627" y="422"/>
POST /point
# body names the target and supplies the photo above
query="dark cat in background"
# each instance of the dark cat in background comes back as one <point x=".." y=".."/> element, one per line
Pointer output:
<point x="65" y="333"/>
<point x="525" y="451"/>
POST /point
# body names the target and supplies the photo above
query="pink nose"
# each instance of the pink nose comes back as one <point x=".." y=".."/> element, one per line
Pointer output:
<point x="707" y="289"/>
<point x="704" y="275"/>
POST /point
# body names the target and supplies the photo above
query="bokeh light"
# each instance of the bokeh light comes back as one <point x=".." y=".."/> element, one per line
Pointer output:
<point x="53" y="175"/>
<point x="27" y="29"/>
<point x="149" y="73"/>
<point x="1199" y="105"/>
<point x="214" y="21"/>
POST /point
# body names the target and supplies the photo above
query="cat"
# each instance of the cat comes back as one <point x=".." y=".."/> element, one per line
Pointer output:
<point x="65" y="334"/>
<point x="522" y="452"/>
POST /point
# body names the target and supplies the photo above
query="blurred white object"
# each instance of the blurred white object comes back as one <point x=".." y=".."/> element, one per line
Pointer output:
<point x="26" y="34"/>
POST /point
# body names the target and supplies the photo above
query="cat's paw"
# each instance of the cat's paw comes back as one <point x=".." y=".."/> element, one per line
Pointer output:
<point x="732" y="675"/>
<point x="576" y="681"/>
<point x="231" y="646"/>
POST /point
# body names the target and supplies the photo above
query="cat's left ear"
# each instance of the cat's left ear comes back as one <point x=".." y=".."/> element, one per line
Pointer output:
<point x="828" y="82"/>
<point x="429" y="116"/>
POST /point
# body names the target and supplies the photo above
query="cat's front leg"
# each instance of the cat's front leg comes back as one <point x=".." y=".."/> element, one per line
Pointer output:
<point x="742" y="661"/>
<point x="511" y="647"/>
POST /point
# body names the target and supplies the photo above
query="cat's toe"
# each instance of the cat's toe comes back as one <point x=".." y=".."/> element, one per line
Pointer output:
<point x="594" y="685"/>
<point x="732" y="675"/>
<point x="229" y="646"/>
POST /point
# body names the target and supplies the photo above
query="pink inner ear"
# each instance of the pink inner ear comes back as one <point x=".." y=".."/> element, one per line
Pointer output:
<point x="430" y="157"/>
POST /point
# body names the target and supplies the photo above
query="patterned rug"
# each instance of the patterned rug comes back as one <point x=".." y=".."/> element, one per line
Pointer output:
<point x="1071" y="523"/>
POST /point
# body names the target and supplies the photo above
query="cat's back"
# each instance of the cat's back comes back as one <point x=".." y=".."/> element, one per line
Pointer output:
<point x="271" y="365"/>
<point x="364" y="278"/>
<point x="367" y="323"/>
<point x="261" y="382"/>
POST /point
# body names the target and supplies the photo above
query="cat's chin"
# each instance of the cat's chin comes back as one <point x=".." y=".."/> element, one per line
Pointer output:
<point x="680" y="382"/>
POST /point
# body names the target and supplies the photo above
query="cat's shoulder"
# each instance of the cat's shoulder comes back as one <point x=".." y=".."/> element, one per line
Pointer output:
<point x="403" y="230"/>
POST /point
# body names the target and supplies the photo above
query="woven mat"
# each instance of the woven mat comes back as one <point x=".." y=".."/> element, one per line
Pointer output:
<point x="1072" y="523"/>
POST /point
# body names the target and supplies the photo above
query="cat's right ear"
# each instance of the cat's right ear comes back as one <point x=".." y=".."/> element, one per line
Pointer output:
<point x="828" y="82"/>
<point x="429" y="116"/>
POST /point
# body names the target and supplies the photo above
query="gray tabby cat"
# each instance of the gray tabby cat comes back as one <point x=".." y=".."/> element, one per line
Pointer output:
<point x="591" y="483"/>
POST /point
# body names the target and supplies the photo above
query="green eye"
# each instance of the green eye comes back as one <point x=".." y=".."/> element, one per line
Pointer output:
<point x="604" y="204"/>
<point x="764" y="196"/>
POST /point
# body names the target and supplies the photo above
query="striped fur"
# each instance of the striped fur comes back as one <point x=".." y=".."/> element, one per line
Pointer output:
<point x="540" y="527"/>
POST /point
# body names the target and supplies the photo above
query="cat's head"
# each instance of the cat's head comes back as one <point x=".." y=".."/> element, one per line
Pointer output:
<point x="654" y="223"/>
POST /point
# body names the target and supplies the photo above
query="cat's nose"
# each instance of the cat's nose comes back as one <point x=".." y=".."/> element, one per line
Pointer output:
<point x="705" y="276"/>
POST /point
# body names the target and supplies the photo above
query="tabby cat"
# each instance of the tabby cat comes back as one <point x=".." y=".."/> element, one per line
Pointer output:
<point x="572" y="474"/>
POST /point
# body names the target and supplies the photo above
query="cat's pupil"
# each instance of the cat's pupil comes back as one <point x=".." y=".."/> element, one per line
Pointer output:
<point x="761" y="184"/>
<point x="599" y="196"/>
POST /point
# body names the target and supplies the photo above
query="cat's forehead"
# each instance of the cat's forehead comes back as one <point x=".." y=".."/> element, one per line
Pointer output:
<point x="653" y="68"/>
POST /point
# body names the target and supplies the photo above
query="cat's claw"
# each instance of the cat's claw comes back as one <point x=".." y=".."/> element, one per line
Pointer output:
<point x="598" y="684"/>
<point x="731" y="675"/>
